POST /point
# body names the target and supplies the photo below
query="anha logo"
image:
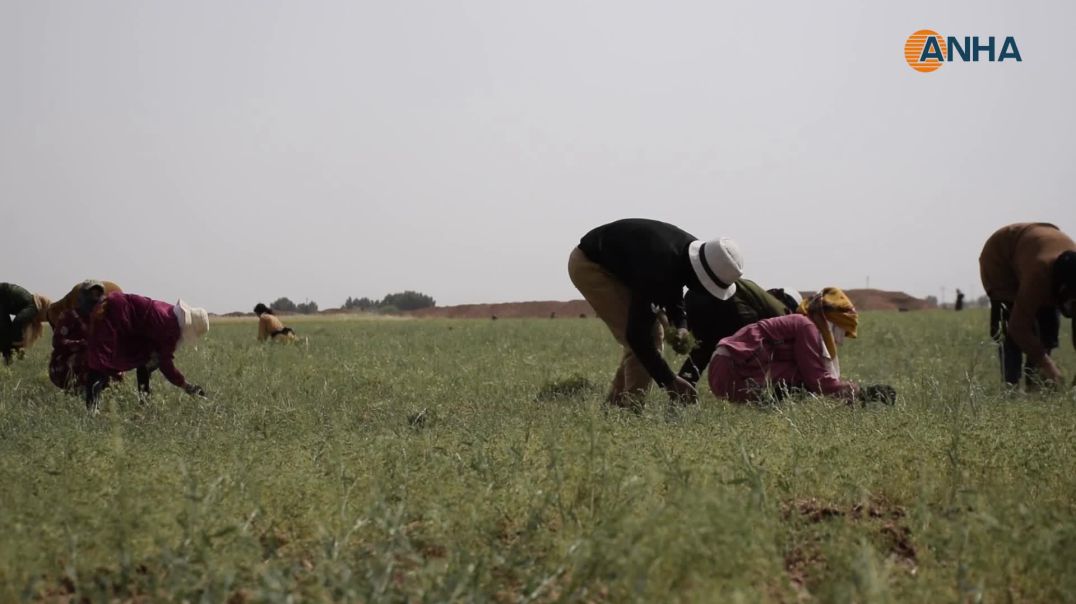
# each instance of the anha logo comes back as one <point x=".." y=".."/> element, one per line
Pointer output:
<point x="926" y="50"/>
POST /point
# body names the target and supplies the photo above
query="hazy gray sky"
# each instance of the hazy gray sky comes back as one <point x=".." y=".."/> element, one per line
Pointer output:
<point x="231" y="152"/>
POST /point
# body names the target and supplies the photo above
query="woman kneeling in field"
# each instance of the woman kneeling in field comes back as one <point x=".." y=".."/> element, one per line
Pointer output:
<point x="270" y="327"/>
<point x="128" y="331"/>
<point x="792" y="351"/>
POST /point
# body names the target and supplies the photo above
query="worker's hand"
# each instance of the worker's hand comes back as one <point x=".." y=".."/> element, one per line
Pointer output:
<point x="881" y="393"/>
<point x="1049" y="372"/>
<point x="681" y="391"/>
<point x="194" y="390"/>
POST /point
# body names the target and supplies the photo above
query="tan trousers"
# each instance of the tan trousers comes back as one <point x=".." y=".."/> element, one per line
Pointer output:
<point x="611" y="300"/>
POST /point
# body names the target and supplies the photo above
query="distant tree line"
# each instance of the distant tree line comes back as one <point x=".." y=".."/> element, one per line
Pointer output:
<point x="402" y="301"/>
<point x="286" y="305"/>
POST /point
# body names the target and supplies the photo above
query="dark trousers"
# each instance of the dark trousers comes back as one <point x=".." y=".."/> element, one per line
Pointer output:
<point x="11" y="326"/>
<point x="96" y="382"/>
<point x="9" y="334"/>
<point x="1047" y="329"/>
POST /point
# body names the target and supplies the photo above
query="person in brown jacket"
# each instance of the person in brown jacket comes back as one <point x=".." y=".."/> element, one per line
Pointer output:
<point x="1029" y="274"/>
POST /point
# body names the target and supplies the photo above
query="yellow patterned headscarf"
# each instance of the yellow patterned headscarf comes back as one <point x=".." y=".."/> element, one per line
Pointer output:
<point x="831" y="305"/>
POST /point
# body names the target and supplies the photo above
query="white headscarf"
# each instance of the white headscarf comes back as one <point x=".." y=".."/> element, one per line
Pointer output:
<point x="833" y="366"/>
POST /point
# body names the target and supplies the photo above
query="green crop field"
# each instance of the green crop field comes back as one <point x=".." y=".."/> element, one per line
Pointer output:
<point x="427" y="460"/>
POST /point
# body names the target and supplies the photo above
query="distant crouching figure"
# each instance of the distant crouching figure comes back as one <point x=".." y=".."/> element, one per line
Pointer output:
<point x="270" y="326"/>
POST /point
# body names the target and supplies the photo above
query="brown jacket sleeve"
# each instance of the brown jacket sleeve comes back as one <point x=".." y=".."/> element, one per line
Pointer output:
<point x="1021" y="327"/>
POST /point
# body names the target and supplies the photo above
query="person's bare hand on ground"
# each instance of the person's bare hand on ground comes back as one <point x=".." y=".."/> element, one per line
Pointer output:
<point x="681" y="391"/>
<point x="1049" y="372"/>
<point x="195" y="390"/>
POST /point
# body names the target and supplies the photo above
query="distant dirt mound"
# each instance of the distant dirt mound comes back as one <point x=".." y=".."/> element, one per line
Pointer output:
<point x="864" y="299"/>
<point x="876" y="299"/>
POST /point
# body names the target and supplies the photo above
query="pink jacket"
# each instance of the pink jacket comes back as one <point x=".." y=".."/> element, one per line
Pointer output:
<point x="784" y="349"/>
<point x="132" y="330"/>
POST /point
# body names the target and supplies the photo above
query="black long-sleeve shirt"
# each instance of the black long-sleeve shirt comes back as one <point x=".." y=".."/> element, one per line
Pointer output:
<point x="710" y="320"/>
<point x="14" y="300"/>
<point x="650" y="258"/>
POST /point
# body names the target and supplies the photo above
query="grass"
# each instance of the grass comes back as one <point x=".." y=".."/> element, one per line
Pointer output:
<point x="419" y="460"/>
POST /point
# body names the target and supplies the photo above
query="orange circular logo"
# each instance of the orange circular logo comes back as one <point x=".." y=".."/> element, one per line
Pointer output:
<point x="913" y="50"/>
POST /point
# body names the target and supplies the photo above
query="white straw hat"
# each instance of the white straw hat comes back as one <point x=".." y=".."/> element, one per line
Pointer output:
<point x="193" y="322"/>
<point x="718" y="264"/>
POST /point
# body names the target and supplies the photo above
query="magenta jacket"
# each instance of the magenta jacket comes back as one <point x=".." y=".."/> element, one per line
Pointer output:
<point x="131" y="329"/>
<point x="784" y="349"/>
